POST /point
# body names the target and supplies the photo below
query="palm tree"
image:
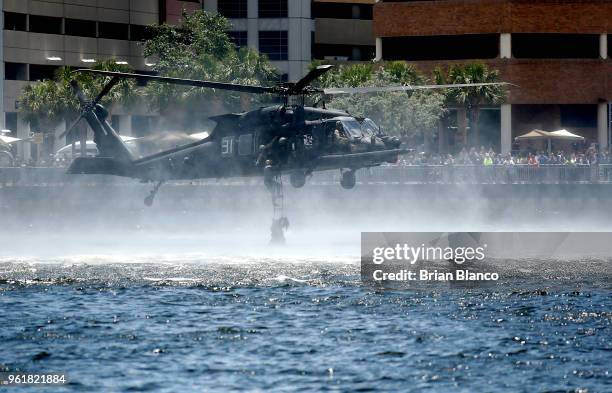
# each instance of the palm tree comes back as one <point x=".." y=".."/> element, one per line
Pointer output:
<point x="403" y="73"/>
<point x="474" y="98"/>
<point x="353" y="75"/>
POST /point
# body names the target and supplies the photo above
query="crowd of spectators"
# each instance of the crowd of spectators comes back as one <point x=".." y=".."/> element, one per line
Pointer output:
<point x="488" y="157"/>
<point x="472" y="157"/>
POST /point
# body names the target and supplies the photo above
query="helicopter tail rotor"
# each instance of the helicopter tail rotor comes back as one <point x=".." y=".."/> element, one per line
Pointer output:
<point x="107" y="141"/>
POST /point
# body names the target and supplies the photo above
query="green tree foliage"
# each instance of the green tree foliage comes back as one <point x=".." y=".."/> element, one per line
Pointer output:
<point x="411" y="115"/>
<point x="201" y="49"/>
<point x="471" y="98"/>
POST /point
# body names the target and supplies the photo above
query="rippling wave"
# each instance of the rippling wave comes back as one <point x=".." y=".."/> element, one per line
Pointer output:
<point x="116" y="323"/>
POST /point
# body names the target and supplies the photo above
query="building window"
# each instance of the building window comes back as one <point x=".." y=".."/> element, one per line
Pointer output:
<point x="39" y="72"/>
<point x="273" y="8"/>
<point x="245" y="144"/>
<point x="113" y="31"/>
<point x="81" y="28"/>
<point x="273" y="44"/>
<point x="45" y="24"/>
<point x="343" y="52"/>
<point x="15" y="21"/>
<point x="341" y="11"/>
<point x="15" y="71"/>
<point x="139" y="33"/>
<point x="447" y="47"/>
<point x="555" y="46"/>
<point x="239" y="38"/>
<point x="232" y="8"/>
<point x="10" y="122"/>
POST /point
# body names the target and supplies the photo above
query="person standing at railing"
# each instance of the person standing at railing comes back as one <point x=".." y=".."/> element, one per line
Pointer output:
<point x="487" y="162"/>
<point x="509" y="166"/>
<point x="541" y="158"/>
<point x="571" y="164"/>
<point x="449" y="163"/>
<point x="532" y="161"/>
<point x="476" y="157"/>
<point x="593" y="159"/>
<point x="463" y="156"/>
<point x="532" y="168"/>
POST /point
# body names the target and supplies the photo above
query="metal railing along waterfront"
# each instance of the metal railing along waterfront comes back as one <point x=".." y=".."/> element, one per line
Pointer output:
<point x="410" y="174"/>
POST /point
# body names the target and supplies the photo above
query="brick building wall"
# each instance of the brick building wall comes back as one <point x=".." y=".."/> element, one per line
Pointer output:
<point x="492" y="16"/>
<point x="546" y="81"/>
<point x="540" y="82"/>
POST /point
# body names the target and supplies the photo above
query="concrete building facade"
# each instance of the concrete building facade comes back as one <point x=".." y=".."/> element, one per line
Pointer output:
<point x="38" y="37"/>
<point x="281" y="29"/>
<point x="343" y="30"/>
<point x="556" y="52"/>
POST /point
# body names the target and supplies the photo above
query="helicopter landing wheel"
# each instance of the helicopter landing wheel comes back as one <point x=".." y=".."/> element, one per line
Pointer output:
<point x="348" y="179"/>
<point x="297" y="179"/>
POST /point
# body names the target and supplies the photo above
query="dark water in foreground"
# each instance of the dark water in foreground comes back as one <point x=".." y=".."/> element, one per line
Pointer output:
<point x="303" y="325"/>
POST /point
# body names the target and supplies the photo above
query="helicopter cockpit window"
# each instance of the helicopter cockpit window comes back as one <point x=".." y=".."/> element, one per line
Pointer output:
<point x="369" y="128"/>
<point x="227" y="146"/>
<point x="353" y="128"/>
<point x="245" y="144"/>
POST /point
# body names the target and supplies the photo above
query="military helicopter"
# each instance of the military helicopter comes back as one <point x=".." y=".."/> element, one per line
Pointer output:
<point x="289" y="138"/>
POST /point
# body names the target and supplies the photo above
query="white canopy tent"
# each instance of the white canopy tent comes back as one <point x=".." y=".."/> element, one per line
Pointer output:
<point x="565" y="134"/>
<point x="549" y="136"/>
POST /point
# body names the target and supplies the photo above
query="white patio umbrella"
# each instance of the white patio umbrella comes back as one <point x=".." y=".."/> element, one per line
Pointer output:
<point x="549" y="136"/>
<point x="565" y="134"/>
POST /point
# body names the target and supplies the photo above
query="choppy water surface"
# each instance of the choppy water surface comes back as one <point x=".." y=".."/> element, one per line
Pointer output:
<point x="222" y="325"/>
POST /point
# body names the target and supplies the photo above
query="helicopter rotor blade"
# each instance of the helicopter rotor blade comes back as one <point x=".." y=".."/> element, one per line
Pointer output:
<point x="309" y="78"/>
<point x="186" y="82"/>
<point x="107" y="88"/>
<point x="375" y="89"/>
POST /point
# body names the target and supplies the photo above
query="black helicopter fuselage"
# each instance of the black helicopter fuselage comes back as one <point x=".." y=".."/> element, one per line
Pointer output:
<point x="291" y="139"/>
<point x="269" y="141"/>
